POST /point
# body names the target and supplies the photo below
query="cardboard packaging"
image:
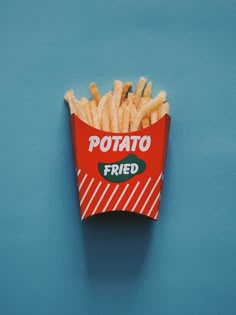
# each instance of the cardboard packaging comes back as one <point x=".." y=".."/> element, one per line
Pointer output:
<point x="120" y="171"/>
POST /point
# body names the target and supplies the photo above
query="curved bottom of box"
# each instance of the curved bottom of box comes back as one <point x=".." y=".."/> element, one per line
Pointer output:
<point x="125" y="212"/>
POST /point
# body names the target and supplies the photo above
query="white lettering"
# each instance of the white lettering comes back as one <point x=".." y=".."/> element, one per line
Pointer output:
<point x="135" y="141"/>
<point x="105" y="143"/>
<point x="94" y="141"/>
<point x="120" y="143"/>
<point x="126" y="168"/>
<point x="116" y="138"/>
<point x="107" y="169"/>
<point x="125" y="144"/>
<point x="144" y="143"/>
<point x="133" y="168"/>
<point x="114" y="169"/>
<point x="119" y="169"/>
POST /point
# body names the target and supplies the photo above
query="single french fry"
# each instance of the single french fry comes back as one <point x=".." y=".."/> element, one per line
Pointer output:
<point x="145" y="120"/>
<point x="150" y="106"/>
<point x="101" y="105"/>
<point x="130" y="99"/>
<point x="139" y="90"/>
<point x="130" y="96"/>
<point x="120" y="117"/>
<point x="68" y="97"/>
<point x="148" y="90"/>
<point x="162" y="93"/>
<point x="125" y="119"/>
<point x="132" y="113"/>
<point x="126" y="87"/>
<point x="113" y="115"/>
<point x="105" y="119"/>
<point x="154" y="116"/>
<point x="95" y="92"/>
<point x="164" y="109"/>
<point x="114" y="105"/>
<point x="86" y="108"/>
<point x="94" y="113"/>
<point x="117" y="92"/>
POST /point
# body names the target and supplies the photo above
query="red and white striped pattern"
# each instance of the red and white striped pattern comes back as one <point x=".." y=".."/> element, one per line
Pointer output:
<point x="141" y="194"/>
<point x="151" y="193"/>
<point x="110" y="198"/>
<point x="82" y="182"/>
<point x="100" y="199"/>
<point x="119" y="199"/>
<point x="131" y="195"/>
<point x="100" y="196"/>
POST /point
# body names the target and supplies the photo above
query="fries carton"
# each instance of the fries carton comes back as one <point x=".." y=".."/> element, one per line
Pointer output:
<point x="120" y="171"/>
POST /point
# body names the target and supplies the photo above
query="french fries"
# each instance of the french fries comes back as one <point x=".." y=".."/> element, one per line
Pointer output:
<point x="138" y="91"/>
<point x="154" y="117"/>
<point x="87" y="110"/>
<point x="126" y="87"/>
<point x="164" y="109"/>
<point x="150" y="106"/>
<point x="101" y="105"/>
<point x="75" y="106"/>
<point x="105" y="119"/>
<point x="146" y="118"/>
<point x="94" y="112"/>
<point x="94" y="91"/>
<point x="148" y="90"/>
<point x="120" y="110"/>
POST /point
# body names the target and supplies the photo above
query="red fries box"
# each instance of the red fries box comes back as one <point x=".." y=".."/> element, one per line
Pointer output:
<point x="120" y="171"/>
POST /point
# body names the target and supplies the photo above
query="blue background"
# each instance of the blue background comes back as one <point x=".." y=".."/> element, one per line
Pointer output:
<point x="50" y="262"/>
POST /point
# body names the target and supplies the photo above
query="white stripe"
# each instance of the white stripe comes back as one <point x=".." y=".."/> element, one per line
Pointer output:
<point x="156" y="215"/>
<point x="99" y="201"/>
<point x="91" y="199"/>
<point x="85" y="194"/>
<point x="109" y="200"/>
<point x="154" y="203"/>
<point x="151" y="192"/>
<point x="131" y="195"/>
<point x="140" y="196"/>
<point x="81" y="184"/>
<point x="121" y="196"/>
<point x="78" y="172"/>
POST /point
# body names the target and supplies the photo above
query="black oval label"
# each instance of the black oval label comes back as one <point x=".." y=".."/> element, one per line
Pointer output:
<point x="122" y="170"/>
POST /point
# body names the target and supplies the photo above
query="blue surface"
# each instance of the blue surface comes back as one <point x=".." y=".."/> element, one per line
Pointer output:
<point x="50" y="262"/>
